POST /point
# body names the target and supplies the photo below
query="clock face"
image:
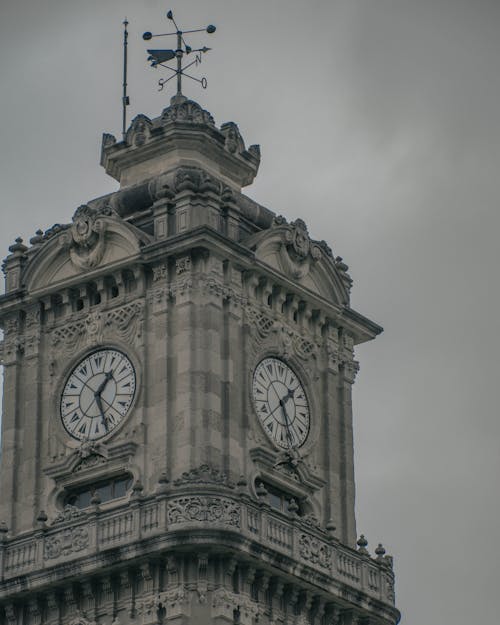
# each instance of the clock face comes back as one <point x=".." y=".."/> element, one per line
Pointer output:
<point x="98" y="394"/>
<point x="281" y="403"/>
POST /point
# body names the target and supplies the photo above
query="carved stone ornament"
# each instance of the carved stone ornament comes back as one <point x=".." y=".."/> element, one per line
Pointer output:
<point x="204" y="509"/>
<point x="87" y="232"/>
<point x="69" y="513"/>
<point x="315" y="551"/>
<point x="195" y="180"/>
<point x="234" y="140"/>
<point x="176" y="600"/>
<point x="187" y="111"/>
<point x="204" y="475"/>
<point x="226" y="603"/>
<point x="124" y="322"/>
<point x="298" y="250"/>
<point x="91" y="454"/>
<point x="66" y="542"/>
<point x="139" y="131"/>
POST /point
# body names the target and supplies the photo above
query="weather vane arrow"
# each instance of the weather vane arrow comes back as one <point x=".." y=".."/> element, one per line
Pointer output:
<point x="160" y="57"/>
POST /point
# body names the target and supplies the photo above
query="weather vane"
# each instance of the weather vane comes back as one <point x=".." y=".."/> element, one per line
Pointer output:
<point x="160" y="57"/>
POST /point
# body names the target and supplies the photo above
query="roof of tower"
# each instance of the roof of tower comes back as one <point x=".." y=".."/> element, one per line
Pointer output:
<point x="183" y="135"/>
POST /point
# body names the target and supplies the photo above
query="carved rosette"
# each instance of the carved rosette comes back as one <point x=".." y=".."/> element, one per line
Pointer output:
<point x="211" y="510"/>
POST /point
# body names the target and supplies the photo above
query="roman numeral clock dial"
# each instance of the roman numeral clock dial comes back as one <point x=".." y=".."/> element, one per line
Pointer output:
<point x="281" y="403"/>
<point x="98" y="394"/>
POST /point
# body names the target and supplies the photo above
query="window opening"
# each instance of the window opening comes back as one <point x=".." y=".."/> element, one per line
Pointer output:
<point x="107" y="490"/>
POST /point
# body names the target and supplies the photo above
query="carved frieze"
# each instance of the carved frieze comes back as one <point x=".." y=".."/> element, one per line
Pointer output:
<point x="66" y="542"/>
<point x="204" y="509"/>
<point x="124" y="322"/>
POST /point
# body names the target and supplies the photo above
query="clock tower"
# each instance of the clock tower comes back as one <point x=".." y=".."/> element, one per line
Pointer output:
<point x="177" y="426"/>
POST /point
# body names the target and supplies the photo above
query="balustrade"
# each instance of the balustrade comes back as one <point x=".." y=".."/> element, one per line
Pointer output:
<point x="166" y="514"/>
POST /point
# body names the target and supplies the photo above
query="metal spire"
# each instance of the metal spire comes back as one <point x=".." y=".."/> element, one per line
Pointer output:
<point x="160" y="57"/>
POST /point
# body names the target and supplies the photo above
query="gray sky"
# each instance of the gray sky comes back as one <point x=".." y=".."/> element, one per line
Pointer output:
<point x="378" y="123"/>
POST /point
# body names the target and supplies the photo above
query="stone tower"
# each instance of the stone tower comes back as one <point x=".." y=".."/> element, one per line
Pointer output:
<point x="177" y="426"/>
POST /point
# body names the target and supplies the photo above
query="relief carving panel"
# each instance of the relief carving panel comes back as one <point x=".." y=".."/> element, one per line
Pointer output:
<point x="204" y="509"/>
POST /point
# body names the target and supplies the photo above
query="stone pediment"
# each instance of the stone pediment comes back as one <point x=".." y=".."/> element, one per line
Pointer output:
<point x="288" y="249"/>
<point x="93" y="240"/>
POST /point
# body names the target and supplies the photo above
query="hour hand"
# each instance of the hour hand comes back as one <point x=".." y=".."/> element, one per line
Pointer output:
<point x="102" y="385"/>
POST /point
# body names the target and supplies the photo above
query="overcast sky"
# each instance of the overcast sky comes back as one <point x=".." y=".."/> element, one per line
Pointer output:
<point x="379" y="126"/>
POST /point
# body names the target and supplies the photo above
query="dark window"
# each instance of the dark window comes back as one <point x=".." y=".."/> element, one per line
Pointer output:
<point x="281" y="500"/>
<point x="105" y="489"/>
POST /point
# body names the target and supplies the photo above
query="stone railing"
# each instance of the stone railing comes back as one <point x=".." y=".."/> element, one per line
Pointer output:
<point x="76" y="535"/>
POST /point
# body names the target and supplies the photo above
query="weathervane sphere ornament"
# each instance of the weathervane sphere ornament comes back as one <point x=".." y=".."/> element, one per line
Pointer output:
<point x="160" y="57"/>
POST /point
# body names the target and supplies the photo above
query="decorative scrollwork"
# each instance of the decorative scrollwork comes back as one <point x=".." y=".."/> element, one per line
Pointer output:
<point x="259" y="321"/>
<point x="204" y="509"/>
<point x="69" y="540"/>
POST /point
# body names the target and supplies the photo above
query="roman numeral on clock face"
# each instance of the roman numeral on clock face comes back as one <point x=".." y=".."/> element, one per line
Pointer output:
<point x="98" y="394"/>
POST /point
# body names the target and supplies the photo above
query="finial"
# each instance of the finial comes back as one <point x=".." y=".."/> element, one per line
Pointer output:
<point x="380" y="552"/>
<point x="18" y="247"/>
<point x="362" y="544"/>
<point x="160" y="57"/>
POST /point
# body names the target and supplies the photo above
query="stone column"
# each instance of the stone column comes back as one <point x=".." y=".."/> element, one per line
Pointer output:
<point x="12" y="348"/>
<point x="347" y="374"/>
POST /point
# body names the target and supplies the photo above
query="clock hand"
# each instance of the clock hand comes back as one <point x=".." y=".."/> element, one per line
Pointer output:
<point x="287" y="423"/>
<point x="101" y="410"/>
<point x="102" y="385"/>
<point x="98" y="400"/>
